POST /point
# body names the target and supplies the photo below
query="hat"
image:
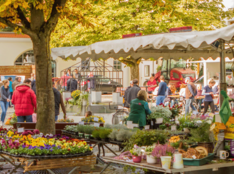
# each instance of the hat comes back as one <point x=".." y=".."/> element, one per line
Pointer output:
<point x="187" y="79"/>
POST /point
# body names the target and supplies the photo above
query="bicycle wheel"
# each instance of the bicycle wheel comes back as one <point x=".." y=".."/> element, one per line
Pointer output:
<point x="118" y="116"/>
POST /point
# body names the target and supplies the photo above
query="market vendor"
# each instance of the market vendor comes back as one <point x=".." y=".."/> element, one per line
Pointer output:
<point x="139" y="109"/>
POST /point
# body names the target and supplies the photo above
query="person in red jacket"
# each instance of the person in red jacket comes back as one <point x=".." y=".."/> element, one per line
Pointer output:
<point x="24" y="100"/>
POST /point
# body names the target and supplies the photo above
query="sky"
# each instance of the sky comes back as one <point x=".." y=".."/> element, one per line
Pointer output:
<point x="228" y="3"/>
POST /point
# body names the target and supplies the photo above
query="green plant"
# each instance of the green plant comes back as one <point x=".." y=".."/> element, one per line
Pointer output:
<point x="103" y="134"/>
<point x="80" y="128"/>
<point x="201" y="134"/>
<point x="89" y="129"/>
<point x="160" y="112"/>
<point x="95" y="134"/>
<point x="146" y="138"/>
<point x="123" y="135"/>
<point x="113" y="134"/>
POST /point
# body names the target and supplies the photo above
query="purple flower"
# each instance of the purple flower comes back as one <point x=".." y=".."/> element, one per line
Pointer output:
<point x="41" y="147"/>
<point x="24" y="146"/>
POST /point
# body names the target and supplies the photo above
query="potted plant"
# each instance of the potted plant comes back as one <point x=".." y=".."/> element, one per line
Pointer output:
<point x="162" y="150"/>
<point x="104" y="134"/>
<point x="149" y="158"/>
<point x="113" y="134"/>
<point x="80" y="129"/>
<point x="136" y="154"/>
<point x="88" y="130"/>
<point x="95" y="134"/>
<point x="123" y="135"/>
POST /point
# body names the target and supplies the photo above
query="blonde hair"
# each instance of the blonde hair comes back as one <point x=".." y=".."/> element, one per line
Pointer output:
<point x="5" y="82"/>
<point x="162" y="77"/>
<point x="142" y="95"/>
<point x="212" y="81"/>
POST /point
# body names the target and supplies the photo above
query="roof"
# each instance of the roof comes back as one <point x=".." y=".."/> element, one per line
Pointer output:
<point x="13" y="35"/>
<point x="183" y="45"/>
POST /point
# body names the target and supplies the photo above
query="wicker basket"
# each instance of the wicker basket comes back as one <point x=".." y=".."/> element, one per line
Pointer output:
<point x="208" y="146"/>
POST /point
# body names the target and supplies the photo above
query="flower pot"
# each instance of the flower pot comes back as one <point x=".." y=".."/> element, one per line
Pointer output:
<point x="136" y="159"/>
<point x="166" y="162"/>
<point x="186" y="130"/>
<point x="159" y="120"/>
<point x="87" y="136"/>
<point x="151" y="160"/>
<point x="81" y="135"/>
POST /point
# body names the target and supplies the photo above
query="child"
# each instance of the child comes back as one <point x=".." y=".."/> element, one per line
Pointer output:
<point x="88" y="114"/>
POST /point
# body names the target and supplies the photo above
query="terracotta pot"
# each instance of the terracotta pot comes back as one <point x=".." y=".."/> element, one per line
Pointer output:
<point x="136" y="159"/>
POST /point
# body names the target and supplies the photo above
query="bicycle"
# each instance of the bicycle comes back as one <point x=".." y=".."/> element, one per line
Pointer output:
<point x="119" y="114"/>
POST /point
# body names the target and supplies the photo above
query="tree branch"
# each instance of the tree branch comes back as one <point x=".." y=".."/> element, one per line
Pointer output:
<point x="14" y="26"/>
<point x="52" y="21"/>
<point x="23" y="19"/>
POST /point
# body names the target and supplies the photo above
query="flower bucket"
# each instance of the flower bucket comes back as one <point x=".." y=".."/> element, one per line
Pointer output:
<point x="186" y="130"/>
<point x="136" y="159"/>
<point x="151" y="160"/>
<point x="159" y="120"/>
<point x="166" y="162"/>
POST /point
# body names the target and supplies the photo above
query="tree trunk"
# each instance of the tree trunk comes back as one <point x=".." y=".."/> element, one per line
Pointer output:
<point x="45" y="95"/>
<point x="134" y="69"/>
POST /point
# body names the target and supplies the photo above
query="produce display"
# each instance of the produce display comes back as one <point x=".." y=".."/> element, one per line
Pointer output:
<point x="33" y="144"/>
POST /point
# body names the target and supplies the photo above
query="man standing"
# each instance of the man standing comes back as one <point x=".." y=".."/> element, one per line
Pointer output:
<point x="133" y="91"/>
<point x="161" y="91"/>
<point x="71" y="84"/>
<point x="126" y="104"/>
<point x="24" y="100"/>
<point x="190" y="93"/>
<point x="16" y="82"/>
<point x="58" y="100"/>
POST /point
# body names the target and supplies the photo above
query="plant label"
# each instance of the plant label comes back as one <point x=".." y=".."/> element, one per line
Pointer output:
<point x="81" y="123"/>
<point x="129" y="123"/>
<point x="147" y="127"/>
<point x="96" y="119"/>
<point x="130" y="126"/>
<point x="20" y="130"/>
<point x="135" y="125"/>
<point x="173" y="128"/>
<point x="96" y="124"/>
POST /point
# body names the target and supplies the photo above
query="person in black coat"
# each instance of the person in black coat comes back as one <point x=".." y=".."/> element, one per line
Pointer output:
<point x="133" y="91"/>
<point x="126" y="104"/>
<point x="71" y="84"/>
<point x="33" y="85"/>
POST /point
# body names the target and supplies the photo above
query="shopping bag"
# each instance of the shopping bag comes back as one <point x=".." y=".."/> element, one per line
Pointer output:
<point x="34" y="117"/>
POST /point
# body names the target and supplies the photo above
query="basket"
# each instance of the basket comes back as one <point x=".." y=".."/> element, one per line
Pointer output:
<point x="198" y="162"/>
<point x="208" y="146"/>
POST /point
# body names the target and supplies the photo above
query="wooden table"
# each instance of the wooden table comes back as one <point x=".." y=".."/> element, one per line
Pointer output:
<point x="48" y="164"/>
<point x="158" y="168"/>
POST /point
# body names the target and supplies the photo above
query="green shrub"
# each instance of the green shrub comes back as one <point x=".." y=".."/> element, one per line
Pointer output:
<point x="80" y="128"/>
<point x="103" y="134"/>
<point x="113" y="134"/>
<point x="89" y="129"/>
<point x="95" y="133"/>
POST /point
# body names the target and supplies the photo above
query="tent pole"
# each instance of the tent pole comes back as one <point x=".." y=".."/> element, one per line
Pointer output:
<point x="222" y="80"/>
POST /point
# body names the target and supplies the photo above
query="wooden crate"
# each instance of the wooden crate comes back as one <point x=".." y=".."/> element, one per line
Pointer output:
<point x="43" y="164"/>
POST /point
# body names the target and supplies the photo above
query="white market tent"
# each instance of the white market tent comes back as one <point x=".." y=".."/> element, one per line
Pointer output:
<point x="196" y="44"/>
<point x="184" y="45"/>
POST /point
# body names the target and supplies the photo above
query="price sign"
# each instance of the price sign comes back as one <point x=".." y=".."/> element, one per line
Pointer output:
<point x="135" y="125"/>
<point x="147" y="127"/>
<point x="129" y="122"/>
<point x="81" y="123"/>
<point x="96" y="124"/>
<point x="20" y="130"/>
<point x="96" y="119"/>
<point x="173" y="128"/>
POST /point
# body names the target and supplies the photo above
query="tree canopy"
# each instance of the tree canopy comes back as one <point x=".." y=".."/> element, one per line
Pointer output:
<point x="115" y="18"/>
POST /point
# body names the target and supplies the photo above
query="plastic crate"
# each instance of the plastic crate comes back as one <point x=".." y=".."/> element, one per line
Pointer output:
<point x="198" y="162"/>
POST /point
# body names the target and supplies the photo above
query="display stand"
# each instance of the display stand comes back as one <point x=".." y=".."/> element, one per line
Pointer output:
<point x="48" y="164"/>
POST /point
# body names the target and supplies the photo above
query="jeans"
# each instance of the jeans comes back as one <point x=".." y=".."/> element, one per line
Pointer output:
<point x="4" y="106"/>
<point x="189" y="103"/>
<point x="56" y="118"/>
<point x="159" y="100"/>
<point x="10" y="104"/>
<point x="27" y="118"/>
<point x="207" y="104"/>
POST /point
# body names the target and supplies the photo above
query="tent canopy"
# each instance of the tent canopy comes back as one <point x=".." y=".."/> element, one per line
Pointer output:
<point x="184" y="45"/>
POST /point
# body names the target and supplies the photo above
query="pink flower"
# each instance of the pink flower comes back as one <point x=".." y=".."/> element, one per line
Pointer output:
<point x="139" y="103"/>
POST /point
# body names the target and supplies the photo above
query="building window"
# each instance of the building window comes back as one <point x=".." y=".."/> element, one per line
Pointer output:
<point x="117" y="65"/>
<point x="147" y="70"/>
<point x="26" y="58"/>
<point x="175" y="75"/>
